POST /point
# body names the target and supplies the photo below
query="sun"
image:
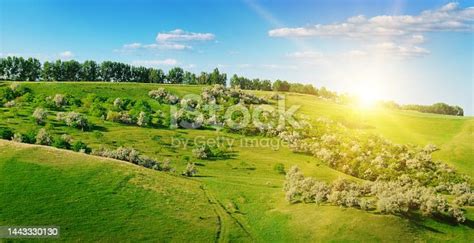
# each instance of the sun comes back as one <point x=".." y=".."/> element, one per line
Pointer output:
<point x="367" y="96"/>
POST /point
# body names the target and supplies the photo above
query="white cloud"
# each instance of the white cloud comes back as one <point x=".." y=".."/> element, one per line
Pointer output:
<point x="132" y="46"/>
<point x="154" y="46"/>
<point x="404" y="51"/>
<point x="278" y="66"/>
<point x="154" y="63"/>
<point x="174" y="40"/>
<point x="449" y="7"/>
<point x="181" y="35"/>
<point x="355" y="54"/>
<point x="417" y="39"/>
<point x="66" y="55"/>
<point x="447" y="18"/>
<point x="258" y="66"/>
<point x="306" y="55"/>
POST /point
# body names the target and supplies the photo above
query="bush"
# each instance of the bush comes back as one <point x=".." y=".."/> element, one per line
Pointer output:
<point x="393" y="197"/>
<point x="457" y="214"/>
<point x="59" y="100"/>
<point x="118" y="103"/>
<point x="162" y="96"/>
<point x="133" y="156"/>
<point x="190" y="170"/>
<point x="159" y="94"/>
<point x="122" y="117"/>
<point x="17" y="137"/>
<point x="43" y="137"/>
<point x="40" y="115"/>
<point x="62" y="142"/>
<point x="10" y="104"/>
<point x="74" y="119"/>
<point x="6" y="133"/>
<point x="208" y="152"/>
<point x="79" y="146"/>
<point x="202" y="152"/>
<point x="143" y="119"/>
<point x="29" y="137"/>
<point x="97" y="110"/>
<point x="466" y="199"/>
<point x="280" y="168"/>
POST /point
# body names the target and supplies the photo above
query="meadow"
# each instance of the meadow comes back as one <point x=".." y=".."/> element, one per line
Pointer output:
<point x="239" y="197"/>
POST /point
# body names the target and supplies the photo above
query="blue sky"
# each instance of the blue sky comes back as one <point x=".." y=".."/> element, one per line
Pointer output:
<point x="408" y="51"/>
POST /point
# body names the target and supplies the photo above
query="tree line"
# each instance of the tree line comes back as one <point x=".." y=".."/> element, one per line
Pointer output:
<point x="30" y="69"/>
<point x="437" y="108"/>
<point x="283" y="86"/>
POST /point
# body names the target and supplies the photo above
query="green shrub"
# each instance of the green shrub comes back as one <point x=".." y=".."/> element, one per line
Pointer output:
<point x="61" y="142"/>
<point x="40" y="115"/>
<point x="74" y="119"/>
<point x="6" y="133"/>
<point x="190" y="170"/>
<point x="43" y="137"/>
<point x="280" y="168"/>
<point x="97" y="110"/>
<point x="209" y="152"/>
<point x="29" y="137"/>
<point x="79" y="146"/>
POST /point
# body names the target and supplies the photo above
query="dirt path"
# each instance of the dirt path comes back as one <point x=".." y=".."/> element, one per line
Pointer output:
<point x="224" y="219"/>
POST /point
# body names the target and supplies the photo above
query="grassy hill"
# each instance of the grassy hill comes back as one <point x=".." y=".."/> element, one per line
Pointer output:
<point x="239" y="198"/>
<point x="93" y="198"/>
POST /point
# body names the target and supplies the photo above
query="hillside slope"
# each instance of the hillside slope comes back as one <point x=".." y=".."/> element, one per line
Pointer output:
<point x="92" y="198"/>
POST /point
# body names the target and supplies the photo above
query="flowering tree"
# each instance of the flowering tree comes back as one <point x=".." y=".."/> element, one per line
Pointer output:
<point x="40" y="115"/>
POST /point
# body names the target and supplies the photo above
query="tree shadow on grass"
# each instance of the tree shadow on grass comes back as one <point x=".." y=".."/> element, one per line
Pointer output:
<point x="224" y="156"/>
<point x="98" y="128"/>
<point x="204" y="176"/>
<point x="418" y="222"/>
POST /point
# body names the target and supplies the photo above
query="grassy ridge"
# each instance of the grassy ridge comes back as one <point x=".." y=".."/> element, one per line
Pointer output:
<point x="243" y="191"/>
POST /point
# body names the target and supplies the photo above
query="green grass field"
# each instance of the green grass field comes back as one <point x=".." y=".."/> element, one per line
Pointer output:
<point x="235" y="199"/>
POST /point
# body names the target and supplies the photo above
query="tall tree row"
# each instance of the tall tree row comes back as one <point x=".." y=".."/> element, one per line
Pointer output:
<point x="21" y="69"/>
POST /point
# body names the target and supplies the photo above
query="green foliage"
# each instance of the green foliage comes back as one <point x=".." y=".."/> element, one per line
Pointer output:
<point x="61" y="142"/>
<point x="74" y="119"/>
<point x="43" y="137"/>
<point x="80" y="146"/>
<point x="438" y="108"/>
<point x="280" y="85"/>
<point x="210" y="152"/>
<point x="89" y="71"/>
<point x="400" y="196"/>
<point x="133" y="156"/>
<point x="156" y="76"/>
<point x="6" y="133"/>
<point x="190" y="170"/>
<point x="20" y="69"/>
<point x="280" y="168"/>
<point x="175" y="75"/>
<point x="40" y="115"/>
<point x="29" y="137"/>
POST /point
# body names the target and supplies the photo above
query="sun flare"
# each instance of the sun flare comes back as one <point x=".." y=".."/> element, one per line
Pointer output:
<point x="367" y="96"/>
